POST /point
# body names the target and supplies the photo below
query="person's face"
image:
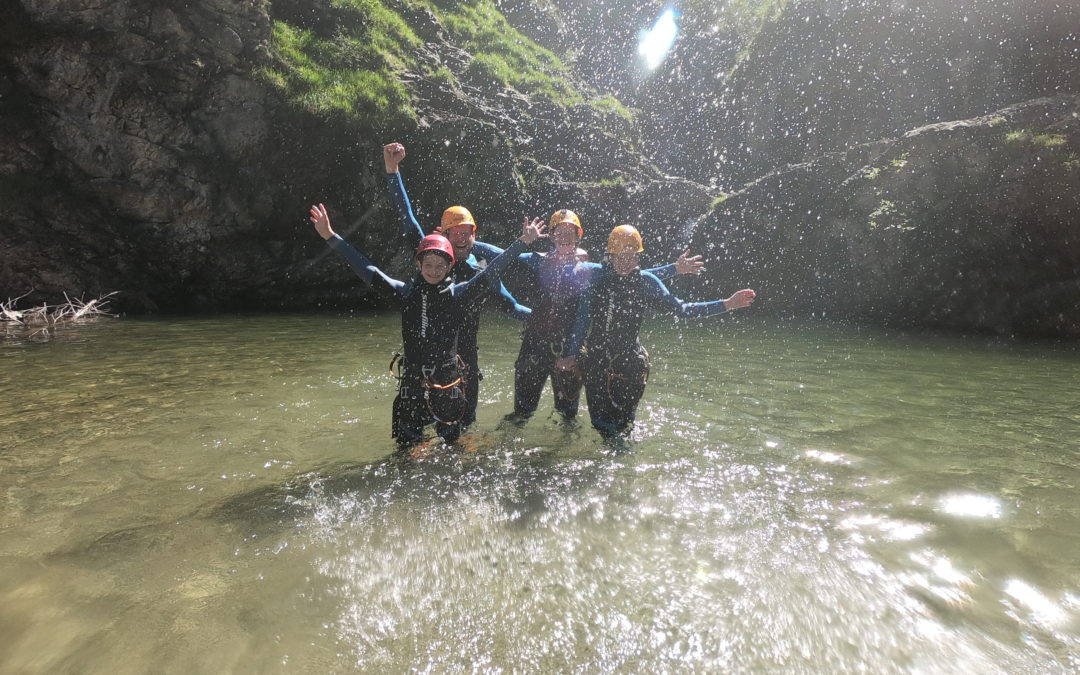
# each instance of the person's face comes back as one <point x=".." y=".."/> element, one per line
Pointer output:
<point x="565" y="238"/>
<point x="624" y="263"/>
<point x="461" y="238"/>
<point x="433" y="267"/>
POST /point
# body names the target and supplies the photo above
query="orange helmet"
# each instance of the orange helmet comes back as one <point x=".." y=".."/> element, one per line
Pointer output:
<point x="624" y="239"/>
<point x="437" y="243"/>
<point x="454" y="216"/>
<point x="566" y="216"/>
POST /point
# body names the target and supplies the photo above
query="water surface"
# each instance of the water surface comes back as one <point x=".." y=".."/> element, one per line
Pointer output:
<point x="222" y="495"/>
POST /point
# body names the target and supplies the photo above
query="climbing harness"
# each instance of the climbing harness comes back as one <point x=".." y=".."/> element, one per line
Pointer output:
<point x="456" y="389"/>
<point x="613" y="378"/>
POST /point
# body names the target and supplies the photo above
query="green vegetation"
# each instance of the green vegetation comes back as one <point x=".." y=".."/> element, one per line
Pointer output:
<point x="888" y="216"/>
<point x="1049" y="140"/>
<point x="350" y="72"/>
<point x="900" y="162"/>
<point x="503" y="55"/>
<point x="344" y="57"/>
<point x="1041" y="140"/>
<point x="617" y="181"/>
<point x="1072" y="161"/>
<point x="610" y="104"/>
<point x="871" y="173"/>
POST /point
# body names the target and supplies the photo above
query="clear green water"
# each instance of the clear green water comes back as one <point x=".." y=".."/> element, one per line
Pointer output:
<point x="219" y="496"/>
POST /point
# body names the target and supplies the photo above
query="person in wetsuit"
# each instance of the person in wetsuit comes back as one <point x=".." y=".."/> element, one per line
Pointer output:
<point x="459" y="227"/>
<point x="561" y="279"/>
<point x="434" y="380"/>
<point x="615" y="364"/>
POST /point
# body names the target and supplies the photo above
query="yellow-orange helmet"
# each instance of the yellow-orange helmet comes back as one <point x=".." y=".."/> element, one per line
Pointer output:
<point x="566" y="216"/>
<point x="454" y="216"/>
<point x="624" y="239"/>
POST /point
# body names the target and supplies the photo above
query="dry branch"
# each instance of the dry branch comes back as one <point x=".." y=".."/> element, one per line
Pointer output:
<point x="71" y="311"/>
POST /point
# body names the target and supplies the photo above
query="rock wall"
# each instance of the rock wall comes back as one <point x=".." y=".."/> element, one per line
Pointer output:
<point x="965" y="225"/>
<point x="141" y="151"/>
<point x="824" y="75"/>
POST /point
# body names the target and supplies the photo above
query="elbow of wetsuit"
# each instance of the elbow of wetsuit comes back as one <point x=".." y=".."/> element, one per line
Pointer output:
<point x="509" y="302"/>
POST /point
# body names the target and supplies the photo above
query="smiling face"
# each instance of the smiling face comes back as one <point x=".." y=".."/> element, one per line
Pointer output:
<point x="565" y="237"/>
<point x="433" y="267"/>
<point x="461" y="238"/>
<point x="624" y="263"/>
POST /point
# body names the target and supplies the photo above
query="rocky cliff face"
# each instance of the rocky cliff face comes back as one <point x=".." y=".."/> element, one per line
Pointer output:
<point x="169" y="150"/>
<point x="143" y="149"/>
<point x="130" y="148"/>
<point x="967" y="225"/>
<point x="821" y="76"/>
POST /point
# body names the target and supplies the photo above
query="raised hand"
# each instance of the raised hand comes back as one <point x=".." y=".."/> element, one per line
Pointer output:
<point x="688" y="264"/>
<point x="531" y="231"/>
<point x="743" y="298"/>
<point x="392" y="154"/>
<point x="321" y="219"/>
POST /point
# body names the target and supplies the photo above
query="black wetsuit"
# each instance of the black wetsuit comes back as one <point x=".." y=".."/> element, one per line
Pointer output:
<point x="547" y="330"/>
<point x="463" y="270"/>
<point x="432" y="387"/>
<point x="616" y="365"/>
<point x="560" y="285"/>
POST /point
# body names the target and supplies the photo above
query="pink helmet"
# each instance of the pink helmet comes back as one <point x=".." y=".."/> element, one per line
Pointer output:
<point x="436" y="242"/>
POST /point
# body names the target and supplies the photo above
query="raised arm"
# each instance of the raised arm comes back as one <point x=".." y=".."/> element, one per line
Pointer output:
<point x="485" y="253"/>
<point x="686" y="264"/>
<point x="658" y="292"/>
<point x="410" y="228"/>
<point x="361" y="264"/>
<point x="530" y="232"/>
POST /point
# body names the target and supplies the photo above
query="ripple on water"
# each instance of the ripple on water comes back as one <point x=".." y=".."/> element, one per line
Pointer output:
<point x="820" y="502"/>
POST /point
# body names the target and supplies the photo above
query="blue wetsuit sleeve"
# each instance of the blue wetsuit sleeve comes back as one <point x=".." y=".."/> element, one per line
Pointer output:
<point x="484" y="251"/>
<point x="493" y="270"/>
<point x="664" y="272"/>
<point x="365" y="269"/>
<point x="656" y="291"/>
<point x="517" y="310"/>
<point x="487" y="252"/>
<point x="531" y="260"/>
<point x="410" y="227"/>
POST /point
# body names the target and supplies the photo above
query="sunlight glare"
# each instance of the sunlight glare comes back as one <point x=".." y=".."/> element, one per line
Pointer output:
<point x="971" y="506"/>
<point x="655" y="43"/>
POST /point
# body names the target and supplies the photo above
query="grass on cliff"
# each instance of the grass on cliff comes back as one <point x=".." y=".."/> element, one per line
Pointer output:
<point x="503" y="55"/>
<point x="344" y="57"/>
<point x="336" y="76"/>
<point x="350" y="69"/>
